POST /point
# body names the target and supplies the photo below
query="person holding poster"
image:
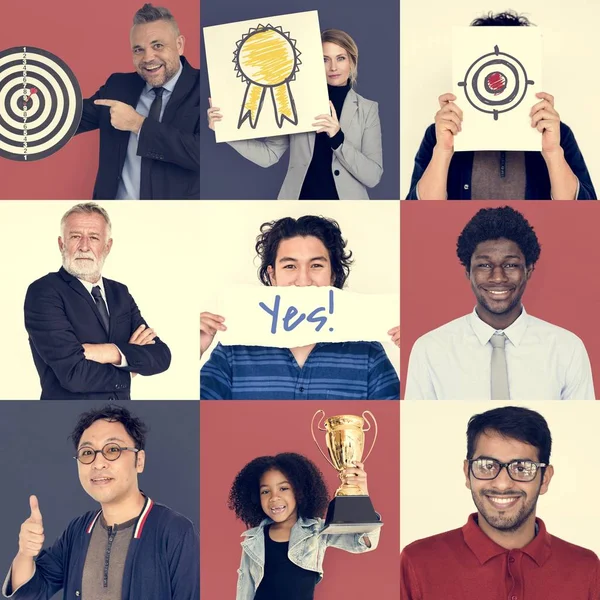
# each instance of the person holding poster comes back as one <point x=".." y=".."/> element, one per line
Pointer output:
<point x="557" y="172"/>
<point x="133" y="547"/>
<point x="504" y="550"/>
<point x="334" y="164"/>
<point x="499" y="351"/>
<point x="308" y="251"/>
<point x="282" y="499"/>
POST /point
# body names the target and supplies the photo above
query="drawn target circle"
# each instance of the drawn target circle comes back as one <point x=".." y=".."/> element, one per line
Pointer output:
<point x="40" y="103"/>
<point x="495" y="83"/>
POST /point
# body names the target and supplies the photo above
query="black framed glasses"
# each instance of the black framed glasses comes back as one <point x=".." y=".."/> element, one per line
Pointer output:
<point x="518" y="470"/>
<point x="88" y="455"/>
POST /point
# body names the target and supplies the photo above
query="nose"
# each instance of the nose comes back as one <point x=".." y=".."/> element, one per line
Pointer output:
<point x="303" y="278"/>
<point x="503" y="482"/>
<point x="148" y="54"/>
<point x="498" y="274"/>
<point x="84" y="243"/>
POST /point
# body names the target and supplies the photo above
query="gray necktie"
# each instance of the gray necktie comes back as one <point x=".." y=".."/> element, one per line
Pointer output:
<point x="499" y="370"/>
<point x="101" y="305"/>
<point x="154" y="114"/>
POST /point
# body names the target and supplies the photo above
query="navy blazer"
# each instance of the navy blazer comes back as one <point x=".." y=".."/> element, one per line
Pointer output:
<point x="172" y="145"/>
<point x="61" y="315"/>
<point x="537" y="180"/>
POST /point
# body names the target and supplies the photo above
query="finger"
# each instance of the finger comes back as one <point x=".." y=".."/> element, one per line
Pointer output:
<point x="452" y="108"/>
<point x="110" y="103"/>
<point x="393" y="330"/>
<point x="213" y="326"/>
<point x="324" y="118"/>
<point x="359" y="464"/>
<point x="208" y="330"/>
<point x="212" y="316"/>
<point x="137" y="332"/>
<point x="34" y="530"/>
<point x="449" y="126"/>
<point x="546" y="96"/>
<point x="543" y="115"/>
<point x="450" y="116"/>
<point x="333" y="112"/>
<point x="445" y="98"/>
<point x="210" y="101"/>
<point x="546" y="126"/>
<point x="34" y="505"/>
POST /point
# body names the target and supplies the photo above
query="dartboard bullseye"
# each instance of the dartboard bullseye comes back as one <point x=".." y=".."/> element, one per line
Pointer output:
<point x="495" y="83"/>
<point x="40" y="103"/>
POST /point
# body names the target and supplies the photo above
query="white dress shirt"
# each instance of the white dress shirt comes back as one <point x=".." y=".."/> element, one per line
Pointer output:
<point x="544" y="362"/>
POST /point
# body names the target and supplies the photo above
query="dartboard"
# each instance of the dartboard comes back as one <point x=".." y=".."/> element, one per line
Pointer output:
<point x="495" y="83"/>
<point x="40" y="103"/>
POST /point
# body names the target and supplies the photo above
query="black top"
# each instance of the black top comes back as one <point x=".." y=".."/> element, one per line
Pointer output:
<point x="318" y="182"/>
<point x="283" y="580"/>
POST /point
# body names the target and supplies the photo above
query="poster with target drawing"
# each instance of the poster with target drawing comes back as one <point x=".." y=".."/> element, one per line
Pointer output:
<point x="266" y="75"/>
<point x="496" y="72"/>
<point x="40" y="103"/>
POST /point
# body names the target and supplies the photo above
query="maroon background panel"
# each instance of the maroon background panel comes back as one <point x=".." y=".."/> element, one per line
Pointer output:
<point x="564" y="288"/>
<point x="234" y="433"/>
<point x="93" y="39"/>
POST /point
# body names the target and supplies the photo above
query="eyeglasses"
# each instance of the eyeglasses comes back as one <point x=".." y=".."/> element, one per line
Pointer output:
<point x="110" y="452"/>
<point x="518" y="470"/>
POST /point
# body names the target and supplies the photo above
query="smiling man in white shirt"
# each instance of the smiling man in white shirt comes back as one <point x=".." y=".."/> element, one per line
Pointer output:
<point x="498" y="351"/>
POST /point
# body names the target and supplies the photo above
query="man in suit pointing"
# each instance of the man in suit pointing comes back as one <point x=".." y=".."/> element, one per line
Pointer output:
<point x="86" y="333"/>
<point x="149" y="121"/>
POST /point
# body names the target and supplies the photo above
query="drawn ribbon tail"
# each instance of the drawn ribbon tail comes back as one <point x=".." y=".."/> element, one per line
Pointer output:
<point x="284" y="105"/>
<point x="252" y="105"/>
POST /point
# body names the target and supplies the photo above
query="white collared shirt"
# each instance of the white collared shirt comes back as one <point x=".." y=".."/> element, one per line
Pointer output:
<point x="544" y="362"/>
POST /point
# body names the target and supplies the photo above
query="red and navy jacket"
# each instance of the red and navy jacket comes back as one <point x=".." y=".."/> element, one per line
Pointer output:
<point x="163" y="560"/>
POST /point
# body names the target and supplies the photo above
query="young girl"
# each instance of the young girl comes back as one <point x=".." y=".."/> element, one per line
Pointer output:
<point x="282" y="498"/>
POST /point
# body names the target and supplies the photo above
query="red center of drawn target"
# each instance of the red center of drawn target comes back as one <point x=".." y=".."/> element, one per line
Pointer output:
<point x="495" y="82"/>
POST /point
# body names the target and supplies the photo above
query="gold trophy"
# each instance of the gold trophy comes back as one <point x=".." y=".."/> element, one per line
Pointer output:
<point x="351" y="511"/>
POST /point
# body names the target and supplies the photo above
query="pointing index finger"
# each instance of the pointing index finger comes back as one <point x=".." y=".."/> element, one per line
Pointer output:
<point x="103" y="102"/>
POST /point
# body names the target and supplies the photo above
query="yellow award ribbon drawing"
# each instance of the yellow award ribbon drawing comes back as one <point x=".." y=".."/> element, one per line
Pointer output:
<point x="266" y="57"/>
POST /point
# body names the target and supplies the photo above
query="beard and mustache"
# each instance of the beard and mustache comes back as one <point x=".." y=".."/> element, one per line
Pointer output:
<point x="84" y="265"/>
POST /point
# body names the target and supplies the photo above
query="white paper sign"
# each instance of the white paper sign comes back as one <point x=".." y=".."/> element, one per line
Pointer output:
<point x="496" y="72"/>
<point x="267" y="76"/>
<point x="290" y="316"/>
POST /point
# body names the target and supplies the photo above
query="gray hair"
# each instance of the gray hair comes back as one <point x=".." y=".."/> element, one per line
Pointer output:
<point x="86" y="208"/>
<point x="150" y="14"/>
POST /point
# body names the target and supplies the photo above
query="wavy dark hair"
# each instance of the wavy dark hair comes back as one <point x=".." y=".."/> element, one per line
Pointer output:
<point x="304" y="476"/>
<point x="508" y="18"/>
<point x="493" y="224"/>
<point x="327" y="230"/>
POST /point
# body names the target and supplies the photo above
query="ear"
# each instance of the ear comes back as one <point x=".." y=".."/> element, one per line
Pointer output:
<point x="529" y="271"/>
<point x="467" y="474"/>
<point x="61" y="244"/>
<point x="141" y="461"/>
<point x="468" y="274"/>
<point x="271" y="274"/>
<point x="108" y="246"/>
<point x="548" y="474"/>
<point x="180" y="42"/>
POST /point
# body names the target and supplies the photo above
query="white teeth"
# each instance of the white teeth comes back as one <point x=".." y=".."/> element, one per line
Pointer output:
<point x="496" y="292"/>
<point x="502" y="500"/>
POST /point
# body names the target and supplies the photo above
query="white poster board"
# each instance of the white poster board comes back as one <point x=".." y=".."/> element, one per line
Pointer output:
<point x="267" y="76"/>
<point x="290" y="316"/>
<point x="496" y="72"/>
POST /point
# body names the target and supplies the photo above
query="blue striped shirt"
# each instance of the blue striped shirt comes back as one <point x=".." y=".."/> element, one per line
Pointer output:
<point x="332" y="371"/>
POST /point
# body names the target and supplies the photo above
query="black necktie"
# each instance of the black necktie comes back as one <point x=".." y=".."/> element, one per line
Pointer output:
<point x="97" y="295"/>
<point x="154" y="114"/>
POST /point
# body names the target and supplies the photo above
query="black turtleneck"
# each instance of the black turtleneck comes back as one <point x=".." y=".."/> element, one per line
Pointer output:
<point x="318" y="183"/>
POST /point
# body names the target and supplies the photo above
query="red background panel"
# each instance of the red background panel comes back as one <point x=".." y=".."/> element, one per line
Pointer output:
<point x="93" y="39"/>
<point x="564" y="288"/>
<point x="234" y="433"/>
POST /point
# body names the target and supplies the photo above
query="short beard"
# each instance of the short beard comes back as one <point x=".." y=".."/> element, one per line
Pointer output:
<point x="91" y="276"/>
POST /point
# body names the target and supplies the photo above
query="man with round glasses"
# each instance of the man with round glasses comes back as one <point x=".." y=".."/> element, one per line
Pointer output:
<point x="132" y="548"/>
<point x="503" y="551"/>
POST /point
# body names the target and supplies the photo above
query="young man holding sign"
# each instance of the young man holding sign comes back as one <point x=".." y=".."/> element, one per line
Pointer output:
<point x="309" y="251"/>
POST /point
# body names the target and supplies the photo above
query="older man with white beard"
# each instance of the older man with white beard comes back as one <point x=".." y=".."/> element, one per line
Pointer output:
<point x="86" y="333"/>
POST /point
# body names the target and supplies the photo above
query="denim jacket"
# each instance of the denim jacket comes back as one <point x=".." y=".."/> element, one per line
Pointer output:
<point x="306" y="549"/>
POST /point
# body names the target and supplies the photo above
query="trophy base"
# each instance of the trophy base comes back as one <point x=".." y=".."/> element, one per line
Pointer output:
<point x="351" y="514"/>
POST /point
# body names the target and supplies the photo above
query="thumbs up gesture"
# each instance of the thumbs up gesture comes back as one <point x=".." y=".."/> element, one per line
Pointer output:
<point x="31" y="536"/>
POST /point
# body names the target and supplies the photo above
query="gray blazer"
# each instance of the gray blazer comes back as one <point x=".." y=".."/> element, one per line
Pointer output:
<point x="356" y="164"/>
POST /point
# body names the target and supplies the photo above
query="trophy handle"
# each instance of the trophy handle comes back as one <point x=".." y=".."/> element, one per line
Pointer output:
<point x="368" y="412"/>
<point x="312" y="430"/>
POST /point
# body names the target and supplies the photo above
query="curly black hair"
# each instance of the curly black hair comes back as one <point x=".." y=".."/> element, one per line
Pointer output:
<point x="327" y="230"/>
<point x="509" y="18"/>
<point x="304" y="476"/>
<point x="134" y="426"/>
<point x="493" y="224"/>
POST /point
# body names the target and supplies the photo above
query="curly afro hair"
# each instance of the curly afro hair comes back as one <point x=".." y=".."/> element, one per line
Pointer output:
<point x="509" y="18"/>
<point x="326" y="230"/>
<point x="493" y="224"/>
<point x="304" y="476"/>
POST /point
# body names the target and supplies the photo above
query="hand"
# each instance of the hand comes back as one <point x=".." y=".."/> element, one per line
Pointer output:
<point x="142" y="336"/>
<point x="213" y="114"/>
<point x="448" y="122"/>
<point x="328" y="123"/>
<point x="356" y="476"/>
<point x="394" y="333"/>
<point x="105" y="354"/>
<point x="209" y="325"/>
<point x="547" y="121"/>
<point x="31" y="536"/>
<point x="122" y="116"/>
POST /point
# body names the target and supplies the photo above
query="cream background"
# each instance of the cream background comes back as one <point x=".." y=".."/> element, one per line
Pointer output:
<point x="155" y="252"/>
<point x="372" y="230"/>
<point x="309" y="89"/>
<point x="568" y="55"/>
<point x="441" y="502"/>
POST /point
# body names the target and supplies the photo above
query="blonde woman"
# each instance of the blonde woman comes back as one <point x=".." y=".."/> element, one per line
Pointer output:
<point x="344" y="157"/>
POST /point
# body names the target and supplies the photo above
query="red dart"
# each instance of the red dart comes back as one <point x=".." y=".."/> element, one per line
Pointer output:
<point x="33" y="91"/>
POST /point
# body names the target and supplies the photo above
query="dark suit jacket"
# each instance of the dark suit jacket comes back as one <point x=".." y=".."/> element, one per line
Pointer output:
<point x="173" y="145"/>
<point x="61" y="315"/>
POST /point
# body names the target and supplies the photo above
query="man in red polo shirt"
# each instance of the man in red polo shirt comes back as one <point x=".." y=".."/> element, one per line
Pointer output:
<point x="503" y="552"/>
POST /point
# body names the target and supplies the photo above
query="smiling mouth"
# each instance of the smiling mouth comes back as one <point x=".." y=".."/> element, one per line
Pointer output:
<point x="101" y="480"/>
<point x="495" y="293"/>
<point x="153" y="69"/>
<point x="277" y="510"/>
<point x="503" y="502"/>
